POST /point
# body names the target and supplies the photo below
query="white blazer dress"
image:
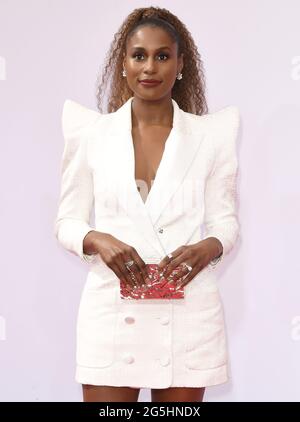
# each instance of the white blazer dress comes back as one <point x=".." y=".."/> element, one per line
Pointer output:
<point x="149" y="343"/>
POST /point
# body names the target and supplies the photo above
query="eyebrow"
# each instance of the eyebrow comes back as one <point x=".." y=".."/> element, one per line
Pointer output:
<point x="142" y="48"/>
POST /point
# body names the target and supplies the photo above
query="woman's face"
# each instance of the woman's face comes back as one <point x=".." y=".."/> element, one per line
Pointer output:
<point x="151" y="54"/>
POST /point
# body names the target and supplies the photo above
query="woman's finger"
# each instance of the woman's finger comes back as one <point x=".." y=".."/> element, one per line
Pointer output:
<point x="126" y="271"/>
<point x="140" y="267"/>
<point x="188" y="278"/>
<point x="184" y="271"/>
<point x="166" y="261"/>
<point x="119" y="273"/>
<point x="176" y="261"/>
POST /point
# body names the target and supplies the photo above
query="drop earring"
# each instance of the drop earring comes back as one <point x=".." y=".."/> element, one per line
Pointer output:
<point x="124" y="73"/>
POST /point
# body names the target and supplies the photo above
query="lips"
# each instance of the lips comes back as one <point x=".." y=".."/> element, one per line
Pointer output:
<point x="149" y="82"/>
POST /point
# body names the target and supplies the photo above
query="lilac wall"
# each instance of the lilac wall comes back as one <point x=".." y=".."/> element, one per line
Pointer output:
<point x="52" y="50"/>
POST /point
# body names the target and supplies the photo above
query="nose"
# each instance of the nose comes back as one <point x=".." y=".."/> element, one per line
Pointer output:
<point x="150" y="65"/>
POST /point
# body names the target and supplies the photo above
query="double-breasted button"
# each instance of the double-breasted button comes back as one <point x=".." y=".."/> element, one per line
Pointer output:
<point x="128" y="358"/>
<point x="161" y="230"/>
<point x="129" y="320"/>
<point x="165" y="360"/>
<point x="165" y="320"/>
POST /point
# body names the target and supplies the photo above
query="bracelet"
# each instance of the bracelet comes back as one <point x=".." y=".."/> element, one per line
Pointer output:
<point x="214" y="261"/>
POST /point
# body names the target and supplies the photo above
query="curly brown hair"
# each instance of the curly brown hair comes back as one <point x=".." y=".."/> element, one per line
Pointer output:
<point x="189" y="92"/>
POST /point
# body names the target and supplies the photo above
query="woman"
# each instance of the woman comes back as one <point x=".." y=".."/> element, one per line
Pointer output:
<point x="156" y="167"/>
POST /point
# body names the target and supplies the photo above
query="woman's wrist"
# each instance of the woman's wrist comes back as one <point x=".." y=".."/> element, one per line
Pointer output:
<point x="217" y="247"/>
<point x="89" y="243"/>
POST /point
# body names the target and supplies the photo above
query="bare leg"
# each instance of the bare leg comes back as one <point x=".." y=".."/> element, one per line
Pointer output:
<point x="96" y="393"/>
<point x="177" y="394"/>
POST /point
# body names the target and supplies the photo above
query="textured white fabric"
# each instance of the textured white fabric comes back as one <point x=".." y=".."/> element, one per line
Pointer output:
<point x="220" y="218"/>
<point x="170" y="342"/>
<point x="76" y="199"/>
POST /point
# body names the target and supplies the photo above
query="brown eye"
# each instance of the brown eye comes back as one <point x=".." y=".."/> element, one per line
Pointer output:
<point x="162" y="54"/>
<point x="140" y="54"/>
<point x="137" y="54"/>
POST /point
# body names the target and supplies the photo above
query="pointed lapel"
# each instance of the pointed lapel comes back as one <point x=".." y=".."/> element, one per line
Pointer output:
<point x="180" y="149"/>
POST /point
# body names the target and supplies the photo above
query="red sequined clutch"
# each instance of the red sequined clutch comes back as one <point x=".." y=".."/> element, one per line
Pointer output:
<point x="158" y="287"/>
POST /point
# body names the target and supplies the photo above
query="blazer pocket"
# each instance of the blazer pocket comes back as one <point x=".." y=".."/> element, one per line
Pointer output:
<point x="205" y="341"/>
<point x="96" y="329"/>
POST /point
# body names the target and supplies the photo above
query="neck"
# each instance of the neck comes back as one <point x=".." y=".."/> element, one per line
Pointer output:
<point x="147" y="113"/>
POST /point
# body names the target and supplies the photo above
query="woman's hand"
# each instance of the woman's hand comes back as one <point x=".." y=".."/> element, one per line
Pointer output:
<point x="115" y="253"/>
<point x="197" y="256"/>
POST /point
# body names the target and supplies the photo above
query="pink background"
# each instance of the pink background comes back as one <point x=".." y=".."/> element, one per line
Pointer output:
<point x="53" y="50"/>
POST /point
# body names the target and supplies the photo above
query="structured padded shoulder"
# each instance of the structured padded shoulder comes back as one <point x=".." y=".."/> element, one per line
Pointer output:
<point x="231" y="114"/>
<point x="76" y="117"/>
<point x="224" y="124"/>
<point x="227" y="117"/>
<point x="76" y="198"/>
<point x="219" y="123"/>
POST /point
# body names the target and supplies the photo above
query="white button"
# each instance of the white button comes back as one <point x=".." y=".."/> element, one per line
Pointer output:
<point x="129" y="320"/>
<point x="128" y="359"/>
<point x="161" y="230"/>
<point x="164" y="360"/>
<point x="165" y="320"/>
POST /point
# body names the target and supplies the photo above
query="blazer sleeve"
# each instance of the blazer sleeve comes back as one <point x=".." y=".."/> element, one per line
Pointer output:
<point x="220" y="214"/>
<point x="76" y="194"/>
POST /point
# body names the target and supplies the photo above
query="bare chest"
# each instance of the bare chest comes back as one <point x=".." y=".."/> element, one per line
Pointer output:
<point x="149" y="145"/>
